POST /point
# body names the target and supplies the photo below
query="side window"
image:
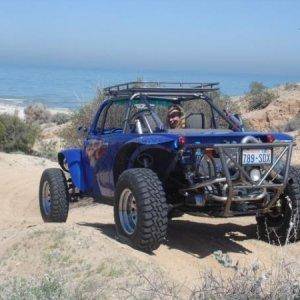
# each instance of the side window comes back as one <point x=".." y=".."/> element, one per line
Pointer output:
<point x="115" y="117"/>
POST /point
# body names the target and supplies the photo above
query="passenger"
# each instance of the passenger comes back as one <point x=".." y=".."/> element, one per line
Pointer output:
<point x="175" y="117"/>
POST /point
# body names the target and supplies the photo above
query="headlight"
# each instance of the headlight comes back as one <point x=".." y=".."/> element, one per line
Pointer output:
<point x="255" y="175"/>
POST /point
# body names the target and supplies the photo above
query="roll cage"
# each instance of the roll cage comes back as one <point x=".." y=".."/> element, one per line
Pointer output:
<point x="173" y="92"/>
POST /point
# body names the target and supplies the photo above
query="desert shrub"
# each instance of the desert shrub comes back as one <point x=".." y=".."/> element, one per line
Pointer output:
<point x="281" y="281"/>
<point x="2" y="133"/>
<point x="16" y="135"/>
<point x="259" y="96"/>
<point x="256" y="281"/>
<point x="37" y="113"/>
<point x="248" y="125"/>
<point x="256" y="88"/>
<point x="289" y="86"/>
<point x="48" y="149"/>
<point x="60" y="118"/>
<point x="293" y="124"/>
<point x="48" y="287"/>
<point x="81" y="118"/>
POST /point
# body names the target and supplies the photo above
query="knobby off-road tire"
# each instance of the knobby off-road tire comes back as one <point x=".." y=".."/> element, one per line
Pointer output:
<point x="284" y="227"/>
<point x="140" y="209"/>
<point x="54" y="196"/>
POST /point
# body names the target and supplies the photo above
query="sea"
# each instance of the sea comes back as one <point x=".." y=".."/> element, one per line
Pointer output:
<point x="61" y="87"/>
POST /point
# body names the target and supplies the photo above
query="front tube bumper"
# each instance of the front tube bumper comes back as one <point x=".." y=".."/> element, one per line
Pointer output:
<point x="222" y="151"/>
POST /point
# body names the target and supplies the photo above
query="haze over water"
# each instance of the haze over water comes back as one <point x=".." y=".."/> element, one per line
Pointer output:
<point x="71" y="87"/>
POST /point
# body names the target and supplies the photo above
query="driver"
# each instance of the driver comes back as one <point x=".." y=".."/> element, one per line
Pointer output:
<point x="175" y="117"/>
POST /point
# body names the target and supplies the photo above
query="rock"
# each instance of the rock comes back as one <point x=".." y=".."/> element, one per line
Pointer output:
<point x="283" y="114"/>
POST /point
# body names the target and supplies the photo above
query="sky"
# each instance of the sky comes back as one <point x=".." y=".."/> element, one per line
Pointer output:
<point x="215" y="36"/>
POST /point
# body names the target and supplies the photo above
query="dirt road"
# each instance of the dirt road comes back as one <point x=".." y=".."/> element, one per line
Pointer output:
<point x="189" y="249"/>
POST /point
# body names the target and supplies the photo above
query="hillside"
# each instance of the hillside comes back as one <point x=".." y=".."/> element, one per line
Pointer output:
<point x="282" y="114"/>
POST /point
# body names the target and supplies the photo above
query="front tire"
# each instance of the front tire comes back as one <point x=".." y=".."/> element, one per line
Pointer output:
<point x="283" y="226"/>
<point x="140" y="209"/>
<point x="54" y="196"/>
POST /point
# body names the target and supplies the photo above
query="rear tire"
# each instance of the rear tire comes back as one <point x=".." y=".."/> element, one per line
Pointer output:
<point x="54" y="196"/>
<point x="283" y="227"/>
<point x="140" y="209"/>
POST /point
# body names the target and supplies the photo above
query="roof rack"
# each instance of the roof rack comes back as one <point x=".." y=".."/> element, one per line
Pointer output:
<point x="159" y="88"/>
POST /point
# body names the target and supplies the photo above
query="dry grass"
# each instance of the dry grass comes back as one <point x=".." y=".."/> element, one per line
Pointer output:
<point x="67" y="272"/>
<point x="67" y="262"/>
<point x="52" y="263"/>
<point x="281" y="281"/>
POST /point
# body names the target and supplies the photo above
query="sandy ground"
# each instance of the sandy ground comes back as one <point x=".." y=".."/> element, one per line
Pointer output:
<point x="189" y="249"/>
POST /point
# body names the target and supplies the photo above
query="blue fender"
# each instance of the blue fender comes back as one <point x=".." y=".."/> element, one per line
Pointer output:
<point x="76" y="167"/>
<point x="165" y="143"/>
<point x="143" y="148"/>
<point x="135" y="146"/>
<point x="152" y="139"/>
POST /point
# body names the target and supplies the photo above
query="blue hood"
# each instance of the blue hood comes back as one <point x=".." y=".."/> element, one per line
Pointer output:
<point x="213" y="136"/>
<point x="201" y="136"/>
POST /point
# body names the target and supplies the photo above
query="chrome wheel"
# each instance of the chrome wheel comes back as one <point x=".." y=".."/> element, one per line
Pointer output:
<point x="128" y="211"/>
<point x="46" y="198"/>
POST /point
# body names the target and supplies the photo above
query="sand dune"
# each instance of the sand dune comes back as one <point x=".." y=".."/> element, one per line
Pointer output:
<point x="189" y="249"/>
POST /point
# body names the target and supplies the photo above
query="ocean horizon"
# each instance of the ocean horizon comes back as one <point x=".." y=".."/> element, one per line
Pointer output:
<point x="58" y="87"/>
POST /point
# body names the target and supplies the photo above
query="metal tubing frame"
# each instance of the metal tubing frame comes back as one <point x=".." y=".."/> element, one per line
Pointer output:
<point x="182" y="94"/>
<point x="203" y="184"/>
<point x="221" y="151"/>
<point x="240" y="199"/>
<point x="129" y="105"/>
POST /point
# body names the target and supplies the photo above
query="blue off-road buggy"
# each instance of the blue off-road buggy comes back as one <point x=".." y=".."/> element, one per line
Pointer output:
<point x="211" y="166"/>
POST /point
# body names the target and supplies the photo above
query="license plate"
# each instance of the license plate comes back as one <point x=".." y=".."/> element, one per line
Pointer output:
<point x="256" y="156"/>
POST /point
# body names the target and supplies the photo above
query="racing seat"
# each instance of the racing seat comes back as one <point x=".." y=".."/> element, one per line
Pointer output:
<point x="195" y="121"/>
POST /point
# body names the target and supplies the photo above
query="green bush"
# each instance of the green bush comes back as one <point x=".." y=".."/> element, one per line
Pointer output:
<point x="60" y="118"/>
<point x="259" y="96"/>
<point x="16" y="135"/>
